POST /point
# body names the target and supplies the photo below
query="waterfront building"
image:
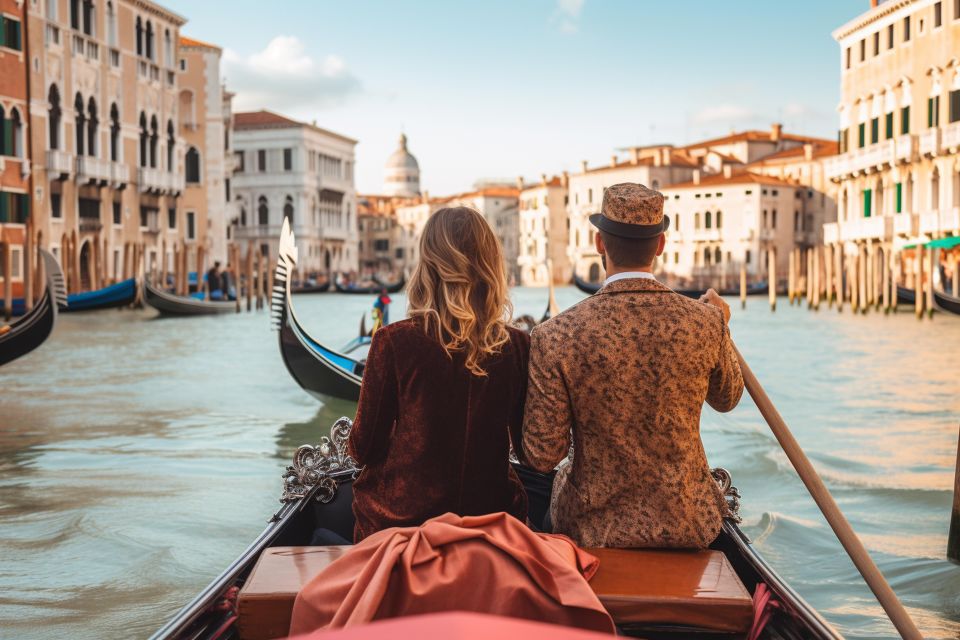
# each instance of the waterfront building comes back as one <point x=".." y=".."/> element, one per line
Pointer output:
<point x="107" y="152"/>
<point x="730" y="199"/>
<point x="15" y="163"/>
<point x="543" y="232"/>
<point x="379" y="233"/>
<point x="206" y="125"/>
<point x="499" y="204"/>
<point x="897" y="173"/>
<point x="289" y="169"/>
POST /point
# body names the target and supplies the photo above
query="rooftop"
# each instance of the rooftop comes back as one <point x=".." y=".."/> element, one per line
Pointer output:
<point x="200" y="44"/>
<point x="263" y="119"/>
<point x="718" y="180"/>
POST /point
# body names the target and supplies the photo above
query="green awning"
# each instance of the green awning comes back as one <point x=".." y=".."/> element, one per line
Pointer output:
<point x="941" y="243"/>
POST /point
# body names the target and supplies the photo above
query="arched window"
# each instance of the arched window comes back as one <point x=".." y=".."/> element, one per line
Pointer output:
<point x="707" y="220"/>
<point x="263" y="212"/>
<point x="144" y="140"/>
<point x="765" y="219"/>
<point x="717" y="256"/>
<point x="92" y="122"/>
<point x="192" y="168"/>
<point x="935" y="189"/>
<point x="111" y="24"/>
<point x="171" y="147"/>
<point x="773" y="219"/>
<point x="53" y="121"/>
<point x="796" y="221"/>
<point x="706" y="256"/>
<point x="75" y="14"/>
<point x="167" y="49"/>
<point x="139" y="36"/>
<point x="154" y="139"/>
<point x="79" y="123"/>
<point x="243" y="216"/>
<point x="719" y="219"/>
<point x="89" y="18"/>
<point x="288" y="209"/>
<point x="149" y="43"/>
<point x="114" y="133"/>
<point x="696" y="221"/>
<point x="676" y="222"/>
<point x="16" y="134"/>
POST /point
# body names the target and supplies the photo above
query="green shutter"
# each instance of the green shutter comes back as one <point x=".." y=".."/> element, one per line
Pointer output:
<point x="929" y="112"/>
<point x="25" y="206"/>
<point x="862" y="138"/>
<point x="889" y="125"/>
<point x="867" y="202"/>
<point x="3" y="32"/>
<point x="899" y="197"/>
<point x="905" y="120"/>
<point x="3" y="207"/>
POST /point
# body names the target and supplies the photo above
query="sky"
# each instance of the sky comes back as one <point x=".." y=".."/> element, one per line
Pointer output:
<point x="497" y="89"/>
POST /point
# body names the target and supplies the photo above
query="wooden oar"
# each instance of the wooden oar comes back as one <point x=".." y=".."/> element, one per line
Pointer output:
<point x="851" y="543"/>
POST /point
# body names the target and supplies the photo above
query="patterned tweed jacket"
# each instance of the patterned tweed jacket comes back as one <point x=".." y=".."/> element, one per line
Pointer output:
<point x="627" y="371"/>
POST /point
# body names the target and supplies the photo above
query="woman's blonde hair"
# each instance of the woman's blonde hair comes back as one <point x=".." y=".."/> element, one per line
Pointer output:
<point x="459" y="287"/>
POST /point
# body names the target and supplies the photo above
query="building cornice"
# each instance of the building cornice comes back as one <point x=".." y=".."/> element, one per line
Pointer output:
<point x="160" y="12"/>
<point x="875" y="15"/>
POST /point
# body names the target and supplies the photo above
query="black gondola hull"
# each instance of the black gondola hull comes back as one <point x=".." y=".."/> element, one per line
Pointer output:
<point x="172" y="305"/>
<point x="316" y="375"/>
<point x="946" y="302"/>
<point x="30" y="331"/>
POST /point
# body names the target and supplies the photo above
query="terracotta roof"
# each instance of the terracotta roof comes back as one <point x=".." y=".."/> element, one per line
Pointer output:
<point x="263" y="119"/>
<point x="751" y="136"/>
<point x="489" y="192"/>
<point x="820" y="149"/>
<point x="676" y="159"/>
<point x="719" y="180"/>
<point x="190" y="42"/>
<point x="555" y="181"/>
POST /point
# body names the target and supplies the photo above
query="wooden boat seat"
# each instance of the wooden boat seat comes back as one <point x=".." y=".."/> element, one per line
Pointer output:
<point x="646" y="588"/>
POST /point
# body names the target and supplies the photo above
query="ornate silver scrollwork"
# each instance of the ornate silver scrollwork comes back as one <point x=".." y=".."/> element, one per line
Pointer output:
<point x="730" y="493"/>
<point x="314" y="466"/>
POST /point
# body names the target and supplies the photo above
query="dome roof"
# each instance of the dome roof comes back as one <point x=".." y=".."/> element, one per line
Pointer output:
<point x="401" y="158"/>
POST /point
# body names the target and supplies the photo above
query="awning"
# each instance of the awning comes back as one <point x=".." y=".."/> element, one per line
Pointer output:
<point x="941" y="243"/>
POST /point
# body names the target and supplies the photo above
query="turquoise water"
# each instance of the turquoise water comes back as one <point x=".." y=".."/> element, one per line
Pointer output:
<point x="139" y="456"/>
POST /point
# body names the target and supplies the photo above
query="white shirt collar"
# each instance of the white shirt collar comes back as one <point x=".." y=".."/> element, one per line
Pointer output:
<point x="629" y="274"/>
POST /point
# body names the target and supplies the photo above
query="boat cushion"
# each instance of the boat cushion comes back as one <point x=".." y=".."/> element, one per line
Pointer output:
<point x="694" y="589"/>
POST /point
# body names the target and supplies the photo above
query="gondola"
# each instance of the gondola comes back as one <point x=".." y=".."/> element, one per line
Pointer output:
<point x="371" y="289"/>
<point x="319" y="370"/>
<point x="946" y="302"/>
<point x="31" y="330"/>
<point x="121" y="294"/>
<point x="906" y="295"/>
<point x="311" y="288"/>
<point x="174" y="305"/>
<point x="757" y="289"/>
<point x="317" y="492"/>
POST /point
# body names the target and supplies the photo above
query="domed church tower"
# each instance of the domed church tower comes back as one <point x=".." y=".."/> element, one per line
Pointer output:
<point x="402" y="173"/>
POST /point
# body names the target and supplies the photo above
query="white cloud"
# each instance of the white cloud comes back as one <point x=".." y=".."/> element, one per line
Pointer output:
<point x="285" y="77"/>
<point x="723" y="113"/>
<point x="567" y="15"/>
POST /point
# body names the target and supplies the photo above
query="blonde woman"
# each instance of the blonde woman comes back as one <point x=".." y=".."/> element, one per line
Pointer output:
<point x="443" y="391"/>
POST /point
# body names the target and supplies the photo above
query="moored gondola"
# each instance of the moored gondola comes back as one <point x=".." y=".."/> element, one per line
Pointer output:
<point x="756" y="289"/>
<point x="946" y="302"/>
<point x="906" y="296"/>
<point x="317" y="492"/>
<point x="169" y="304"/>
<point x="322" y="287"/>
<point x="121" y="294"/>
<point x="31" y="330"/>
<point x="373" y="289"/>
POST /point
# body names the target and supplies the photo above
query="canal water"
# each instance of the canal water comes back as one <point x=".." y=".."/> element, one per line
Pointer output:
<point x="139" y="455"/>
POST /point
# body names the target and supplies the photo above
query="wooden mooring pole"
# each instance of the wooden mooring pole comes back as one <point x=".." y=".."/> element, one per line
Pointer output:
<point x="743" y="286"/>
<point x="772" y="270"/>
<point x="792" y="277"/>
<point x="931" y="268"/>
<point x="953" y="538"/>
<point x="885" y="270"/>
<point x="828" y="290"/>
<point x="918" y="281"/>
<point x="838" y="276"/>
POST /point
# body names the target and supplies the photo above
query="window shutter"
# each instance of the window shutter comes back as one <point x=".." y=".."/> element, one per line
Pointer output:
<point x="3" y="207"/>
<point x="899" y="197"/>
<point x="3" y="31"/>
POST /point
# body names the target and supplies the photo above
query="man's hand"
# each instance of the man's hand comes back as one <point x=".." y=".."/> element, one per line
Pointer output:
<point x="712" y="297"/>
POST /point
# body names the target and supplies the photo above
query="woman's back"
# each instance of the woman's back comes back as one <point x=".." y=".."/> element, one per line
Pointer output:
<point x="434" y="437"/>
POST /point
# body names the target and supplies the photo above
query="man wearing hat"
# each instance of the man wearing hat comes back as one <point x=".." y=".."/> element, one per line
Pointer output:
<point x="626" y="373"/>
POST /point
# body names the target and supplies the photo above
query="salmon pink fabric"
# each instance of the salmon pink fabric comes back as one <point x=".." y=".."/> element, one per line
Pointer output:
<point x="486" y="564"/>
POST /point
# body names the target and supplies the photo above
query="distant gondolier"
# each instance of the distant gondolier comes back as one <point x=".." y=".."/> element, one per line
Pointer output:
<point x="214" y="282"/>
<point x="381" y="309"/>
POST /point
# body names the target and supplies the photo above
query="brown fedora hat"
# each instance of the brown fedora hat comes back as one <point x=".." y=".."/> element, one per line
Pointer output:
<point x="631" y="210"/>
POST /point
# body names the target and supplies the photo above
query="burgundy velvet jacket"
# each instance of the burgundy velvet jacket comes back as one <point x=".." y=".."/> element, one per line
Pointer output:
<point x="432" y="437"/>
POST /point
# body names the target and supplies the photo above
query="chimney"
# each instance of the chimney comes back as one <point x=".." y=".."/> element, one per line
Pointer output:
<point x="613" y="160"/>
<point x="728" y="171"/>
<point x="634" y="156"/>
<point x="696" y="176"/>
<point x="808" y="152"/>
<point x="665" y="156"/>
<point x="566" y="179"/>
<point x="657" y="159"/>
<point x="776" y="130"/>
<point x="583" y="166"/>
<point x="519" y="183"/>
<point x="543" y="179"/>
<point x="874" y="3"/>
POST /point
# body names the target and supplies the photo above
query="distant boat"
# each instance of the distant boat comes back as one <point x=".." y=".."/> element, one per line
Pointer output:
<point x="31" y="330"/>
<point x="371" y="289"/>
<point x="169" y="304"/>
<point x="756" y="289"/>
<point x="946" y="302"/>
<point x="312" y="288"/>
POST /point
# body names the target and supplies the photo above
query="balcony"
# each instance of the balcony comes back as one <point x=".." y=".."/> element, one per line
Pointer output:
<point x="950" y="220"/>
<point x="157" y="181"/>
<point x="831" y="233"/>
<point x="805" y="238"/>
<point x="863" y="160"/>
<point x="150" y="221"/>
<point x="903" y="148"/>
<point x="930" y="142"/>
<point x="174" y="183"/>
<point x="706" y="235"/>
<point x="950" y="137"/>
<point x="59" y="164"/>
<point x="875" y="228"/>
<point x="93" y="170"/>
<point x="119" y="175"/>
<point x="90" y="225"/>
<point x="930" y="222"/>
<point x="767" y="235"/>
<point x="906" y="224"/>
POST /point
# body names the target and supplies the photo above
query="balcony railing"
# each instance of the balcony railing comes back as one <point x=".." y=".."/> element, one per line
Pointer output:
<point x="904" y="148"/>
<point x="875" y="228"/>
<point x="906" y="224"/>
<point x="90" y="225"/>
<point x="119" y="175"/>
<point x="767" y="235"/>
<point x="59" y="164"/>
<point x="930" y="222"/>
<point x="91" y="169"/>
<point x="870" y="158"/>
<point x="158" y="181"/>
<point x="706" y="235"/>
<point x="950" y="220"/>
<point x="831" y="233"/>
<point x="930" y="142"/>
<point x="804" y="237"/>
<point x="950" y="137"/>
